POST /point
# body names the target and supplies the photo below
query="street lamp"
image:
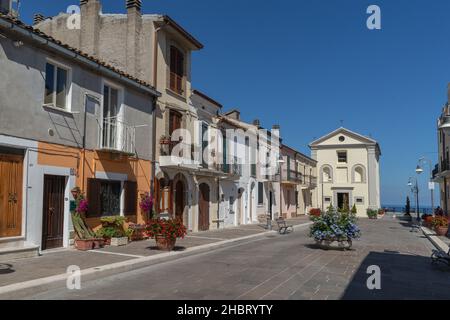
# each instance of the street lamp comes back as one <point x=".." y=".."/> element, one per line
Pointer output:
<point x="415" y="190"/>
<point x="420" y="170"/>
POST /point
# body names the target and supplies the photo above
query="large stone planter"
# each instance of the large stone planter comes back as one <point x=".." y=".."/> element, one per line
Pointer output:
<point x="335" y="244"/>
<point x="164" y="244"/>
<point x="119" y="242"/>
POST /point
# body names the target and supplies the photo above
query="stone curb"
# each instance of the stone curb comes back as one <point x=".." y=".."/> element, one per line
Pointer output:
<point x="32" y="287"/>
<point x="438" y="243"/>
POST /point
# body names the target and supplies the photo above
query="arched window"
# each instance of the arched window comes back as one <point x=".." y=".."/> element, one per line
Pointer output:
<point x="327" y="174"/>
<point x="359" y="174"/>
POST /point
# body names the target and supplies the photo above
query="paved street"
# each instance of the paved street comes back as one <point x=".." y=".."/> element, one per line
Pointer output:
<point x="286" y="267"/>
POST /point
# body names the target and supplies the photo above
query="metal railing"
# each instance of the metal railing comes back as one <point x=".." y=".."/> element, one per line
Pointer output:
<point x="116" y="135"/>
<point x="292" y="176"/>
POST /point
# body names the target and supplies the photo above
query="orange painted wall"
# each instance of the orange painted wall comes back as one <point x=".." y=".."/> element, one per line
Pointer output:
<point x="88" y="162"/>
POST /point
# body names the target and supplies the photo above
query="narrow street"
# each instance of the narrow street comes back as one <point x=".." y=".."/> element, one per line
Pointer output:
<point x="286" y="267"/>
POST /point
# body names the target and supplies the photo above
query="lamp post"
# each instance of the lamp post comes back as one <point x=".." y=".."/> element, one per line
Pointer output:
<point x="420" y="170"/>
<point x="415" y="190"/>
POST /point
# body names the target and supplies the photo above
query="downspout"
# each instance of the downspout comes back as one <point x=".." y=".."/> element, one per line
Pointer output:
<point x="155" y="84"/>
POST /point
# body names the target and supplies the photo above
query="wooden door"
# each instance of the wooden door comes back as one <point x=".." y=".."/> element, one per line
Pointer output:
<point x="175" y="119"/>
<point x="203" y="204"/>
<point x="53" y="212"/>
<point x="11" y="167"/>
<point x="179" y="200"/>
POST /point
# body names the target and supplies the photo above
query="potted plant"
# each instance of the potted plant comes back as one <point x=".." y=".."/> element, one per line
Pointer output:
<point x="107" y="233"/>
<point x="427" y="220"/>
<point x="335" y="230"/>
<point x="381" y="213"/>
<point x="166" y="232"/>
<point x="164" y="140"/>
<point x="372" y="214"/>
<point x="85" y="238"/>
<point x="119" y="237"/>
<point x="440" y="225"/>
<point x="315" y="212"/>
<point x="354" y="210"/>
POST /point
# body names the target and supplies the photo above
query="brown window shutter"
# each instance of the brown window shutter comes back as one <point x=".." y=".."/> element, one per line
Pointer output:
<point x="130" y="189"/>
<point x="93" y="197"/>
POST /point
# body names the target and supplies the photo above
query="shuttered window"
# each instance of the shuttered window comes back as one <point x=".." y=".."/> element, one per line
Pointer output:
<point x="130" y="189"/>
<point x="260" y="193"/>
<point x="176" y="70"/>
<point x="93" y="197"/>
<point x="103" y="197"/>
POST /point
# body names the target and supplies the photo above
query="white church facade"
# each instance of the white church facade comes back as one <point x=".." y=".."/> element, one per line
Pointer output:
<point x="348" y="169"/>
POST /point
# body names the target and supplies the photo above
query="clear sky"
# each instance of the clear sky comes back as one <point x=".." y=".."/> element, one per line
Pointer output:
<point x="307" y="64"/>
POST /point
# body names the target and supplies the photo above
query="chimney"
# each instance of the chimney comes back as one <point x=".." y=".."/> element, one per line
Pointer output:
<point x="37" y="18"/>
<point x="134" y="31"/>
<point x="5" y="6"/>
<point x="90" y="26"/>
<point x="257" y="123"/>
<point x="234" y="114"/>
<point x="134" y="5"/>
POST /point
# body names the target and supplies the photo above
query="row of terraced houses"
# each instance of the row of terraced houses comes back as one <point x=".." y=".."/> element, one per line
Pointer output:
<point x="101" y="107"/>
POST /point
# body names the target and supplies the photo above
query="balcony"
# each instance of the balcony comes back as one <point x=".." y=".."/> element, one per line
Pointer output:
<point x="291" y="177"/>
<point x="232" y="170"/>
<point x="177" y="155"/>
<point x="117" y="136"/>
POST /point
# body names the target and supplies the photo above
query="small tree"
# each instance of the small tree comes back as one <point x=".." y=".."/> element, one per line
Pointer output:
<point x="408" y="207"/>
<point x="354" y="210"/>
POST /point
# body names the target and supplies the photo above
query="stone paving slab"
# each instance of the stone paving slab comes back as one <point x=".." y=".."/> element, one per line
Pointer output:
<point x="56" y="263"/>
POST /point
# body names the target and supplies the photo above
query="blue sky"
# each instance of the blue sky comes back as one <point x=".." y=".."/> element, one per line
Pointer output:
<point x="307" y="64"/>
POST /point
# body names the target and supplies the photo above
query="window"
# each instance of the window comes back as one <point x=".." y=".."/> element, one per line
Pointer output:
<point x="296" y="198"/>
<point x="175" y="119"/>
<point x="341" y="138"/>
<point x="359" y="200"/>
<point x="56" y="86"/>
<point x="359" y="175"/>
<point x="260" y="193"/>
<point x="327" y="175"/>
<point x="176" y="70"/>
<point x="103" y="197"/>
<point x="327" y="199"/>
<point x="342" y="156"/>
<point x="110" y="112"/>
<point x="205" y="144"/>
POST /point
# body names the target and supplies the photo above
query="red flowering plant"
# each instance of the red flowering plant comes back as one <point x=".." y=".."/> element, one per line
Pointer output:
<point x="315" y="212"/>
<point x="146" y="203"/>
<point x="171" y="229"/>
<point x="82" y="204"/>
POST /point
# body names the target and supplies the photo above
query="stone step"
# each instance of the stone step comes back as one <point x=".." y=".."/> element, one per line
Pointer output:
<point x="18" y="252"/>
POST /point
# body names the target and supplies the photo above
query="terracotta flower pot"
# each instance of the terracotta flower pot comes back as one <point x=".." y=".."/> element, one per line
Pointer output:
<point x="85" y="245"/>
<point x="165" y="244"/>
<point x="441" y="231"/>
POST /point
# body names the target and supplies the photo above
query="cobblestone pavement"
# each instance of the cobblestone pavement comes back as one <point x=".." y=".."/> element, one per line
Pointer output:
<point x="286" y="267"/>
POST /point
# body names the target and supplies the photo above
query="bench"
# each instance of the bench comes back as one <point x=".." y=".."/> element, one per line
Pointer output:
<point x="284" y="228"/>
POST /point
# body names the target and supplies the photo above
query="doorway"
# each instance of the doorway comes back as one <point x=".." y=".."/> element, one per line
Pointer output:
<point x="203" y="207"/>
<point x="343" y="201"/>
<point x="11" y="167"/>
<point x="239" y="207"/>
<point x="179" y="200"/>
<point x="270" y="204"/>
<point x="53" y="212"/>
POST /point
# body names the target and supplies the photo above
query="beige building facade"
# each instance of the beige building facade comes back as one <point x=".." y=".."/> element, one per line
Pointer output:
<point x="348" y="170"/>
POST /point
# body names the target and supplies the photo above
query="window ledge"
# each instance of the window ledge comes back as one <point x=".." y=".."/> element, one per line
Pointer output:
<point x="176" y="94"/>
<point x="53" y="108"/>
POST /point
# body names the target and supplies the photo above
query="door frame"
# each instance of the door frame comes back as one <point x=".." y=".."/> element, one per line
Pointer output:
<point x="209" y="205"/>
<point x="70" y="183"/>
<point x="30" y="157"/>
<point x="44" y="213"/>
